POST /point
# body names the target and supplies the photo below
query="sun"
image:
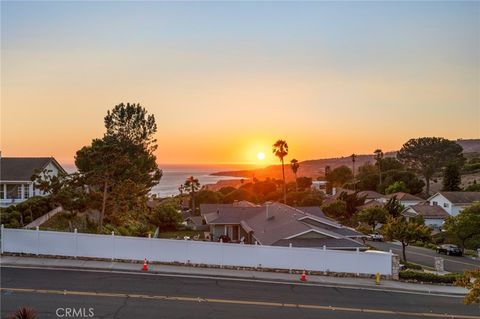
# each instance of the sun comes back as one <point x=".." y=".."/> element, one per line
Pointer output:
<point x="261" y="156"/>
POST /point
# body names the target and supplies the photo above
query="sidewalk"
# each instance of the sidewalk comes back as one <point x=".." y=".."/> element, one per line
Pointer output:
<point x="350" y="282"/>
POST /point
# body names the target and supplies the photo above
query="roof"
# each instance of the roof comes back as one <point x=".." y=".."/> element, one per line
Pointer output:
<point x="197" y="220"/>
<point x="227" y="214"/>
<point x="312" y="210"/>
<point x="330" y="243"/>
<point x="405" y="196"/>
<point x="370" y="195"/>
<point x="460" y="197"/>
<point x="428" y="211"/>
<point x="22" y="168"/>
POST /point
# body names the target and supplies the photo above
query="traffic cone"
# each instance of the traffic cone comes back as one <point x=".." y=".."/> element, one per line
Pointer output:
<point x="145" y="266"/>
<point x="303" y="277"/>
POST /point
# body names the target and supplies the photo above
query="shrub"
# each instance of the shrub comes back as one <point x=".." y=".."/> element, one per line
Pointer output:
<point x="429" y="277"/>
<point x="408" y="265"/>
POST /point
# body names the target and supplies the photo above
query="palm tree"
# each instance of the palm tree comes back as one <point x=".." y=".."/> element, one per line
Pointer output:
<point x="280" y="150"/>
<point x="378" y="157"/>
<point x="354" y="157"/>
<point x="191" y="185"/>
<point x="295" y="165"/>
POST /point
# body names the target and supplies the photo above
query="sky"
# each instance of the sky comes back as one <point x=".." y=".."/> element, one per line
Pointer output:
<point x="225" y="80"/>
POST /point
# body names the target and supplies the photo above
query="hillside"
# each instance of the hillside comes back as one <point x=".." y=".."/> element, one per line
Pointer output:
<point x="316" y="168"/>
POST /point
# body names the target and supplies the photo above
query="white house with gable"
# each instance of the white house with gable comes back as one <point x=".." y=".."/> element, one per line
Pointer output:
<point x="454" y="202"/>
<point x="15" y="177"/>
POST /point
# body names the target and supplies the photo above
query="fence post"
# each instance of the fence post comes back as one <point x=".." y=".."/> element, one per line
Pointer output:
<point x="2" y="238"/>
<point x="290" y="264"/>
<point x="38" y="240"/>
<point x="75" y="238"/>
<point x="113" y="244"/>
<point x="221" y="253"/>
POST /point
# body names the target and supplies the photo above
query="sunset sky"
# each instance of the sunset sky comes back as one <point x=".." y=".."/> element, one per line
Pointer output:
<point x="225" y="80"/>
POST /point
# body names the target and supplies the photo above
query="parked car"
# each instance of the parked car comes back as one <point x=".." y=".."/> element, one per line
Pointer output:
<point x="449" y="249"/>
<point x="376" y="237"/>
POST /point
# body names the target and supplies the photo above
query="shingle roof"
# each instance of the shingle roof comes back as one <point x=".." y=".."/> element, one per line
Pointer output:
<point x="312" y="210"/>
<point x="461" y="197"/>
<point x="22" y="168"/>
<point x="370" y="195"/>
<point x="330" y="243"/>
<point x="405" y="196"/>
<point x="429" y="211"/>
<point x="228" y="214"/>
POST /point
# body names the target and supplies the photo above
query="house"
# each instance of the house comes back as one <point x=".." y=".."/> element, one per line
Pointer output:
<point x="196" y="223"/>
<point x="15" y="177"/>
<point x="371" y="196"/>
<point x="433" y="215"/>
<point x="454" y="202"/>
<point x="276" y="224"/>
<point x="405" y="199"/>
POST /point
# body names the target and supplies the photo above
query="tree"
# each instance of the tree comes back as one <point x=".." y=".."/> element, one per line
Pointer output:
<point x="165" y="217"/>
<point x="451" y="177"/>
<point x="471" y="281"/>
<point x="378" y="161"/>
<point x="295" y="166"/>
<point x="396" y="187"/>
<point x="121" y="167"/>
<point x="336" y="210"/>
<point x="393" y="207"/>
<point x="373" y="216"/>
<point x="367" y="177"/>
<point x="406" y="232"/>
<point x="427" y="155"/>
<point x="340" y="175"/>
<point x="280" y="150"/>
<point x="464" y="226"/>
<point x="304" y="182"/>
<point x="474" y="187"/>
<point x="411" y="180"/>
<point x="192" y="185"/>
<point x="354" y="159"/>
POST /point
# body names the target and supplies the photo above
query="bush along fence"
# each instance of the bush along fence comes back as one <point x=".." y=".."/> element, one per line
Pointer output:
<point x="75" y="244"/>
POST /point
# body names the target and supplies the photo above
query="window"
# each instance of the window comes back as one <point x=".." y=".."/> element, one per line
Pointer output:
<point x="26" y="190"/>
<point x="19" y="191"/>
<point x="435" y="203"/>
<point x="445" y="205"/>
<point x="2" y="192"/>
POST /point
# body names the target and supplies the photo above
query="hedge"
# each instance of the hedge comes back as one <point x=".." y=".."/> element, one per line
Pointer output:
<point x="428" y="277"/>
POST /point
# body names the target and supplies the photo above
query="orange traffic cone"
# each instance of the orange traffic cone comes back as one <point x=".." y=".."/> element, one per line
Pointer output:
<point x="303" y="277"/>
<point x="145" y="266"/>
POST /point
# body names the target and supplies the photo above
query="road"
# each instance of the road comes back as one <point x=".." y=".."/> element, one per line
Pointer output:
<point x="137" y="295"/>
<point x="426" y="257"/>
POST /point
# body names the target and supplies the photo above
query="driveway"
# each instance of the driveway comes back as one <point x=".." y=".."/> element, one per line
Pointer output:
<point x="426" y="257"/>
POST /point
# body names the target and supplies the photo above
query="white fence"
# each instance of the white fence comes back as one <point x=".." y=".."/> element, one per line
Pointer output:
<point x="195" y="252"/>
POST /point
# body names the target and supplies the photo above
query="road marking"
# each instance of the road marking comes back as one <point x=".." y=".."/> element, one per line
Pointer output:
<point x="431" y="256"/>
<point x="255" y="280"/>
<point x="236" y="302"/>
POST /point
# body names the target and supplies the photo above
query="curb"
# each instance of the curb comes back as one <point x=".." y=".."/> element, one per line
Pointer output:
<point x="230" y="277"/>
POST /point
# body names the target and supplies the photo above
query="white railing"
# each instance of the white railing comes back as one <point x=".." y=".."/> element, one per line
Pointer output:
<point x="195" y="252"/>
<point x="44" y="218"/>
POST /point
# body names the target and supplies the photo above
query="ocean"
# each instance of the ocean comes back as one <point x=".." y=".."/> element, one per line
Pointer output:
<point x="174" y="176"/>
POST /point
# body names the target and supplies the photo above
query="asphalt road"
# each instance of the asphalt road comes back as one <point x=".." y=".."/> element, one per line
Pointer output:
<point x="426" y="257"/>
<point x="136" y="295"/>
